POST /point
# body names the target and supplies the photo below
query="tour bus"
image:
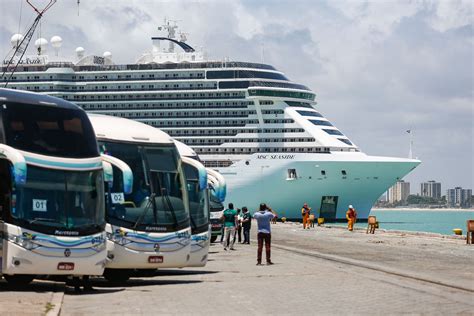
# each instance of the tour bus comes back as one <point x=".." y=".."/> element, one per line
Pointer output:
<point x="148" y="225"/>
<point x="217" y="194"/>
<point x="52" y="219"/>
<point x="198" y="193"/>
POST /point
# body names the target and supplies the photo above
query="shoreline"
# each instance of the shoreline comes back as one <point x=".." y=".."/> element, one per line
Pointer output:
<point x="424" y="209"/>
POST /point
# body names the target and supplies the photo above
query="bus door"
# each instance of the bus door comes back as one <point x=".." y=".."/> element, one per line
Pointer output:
<point x="5" y="193"/>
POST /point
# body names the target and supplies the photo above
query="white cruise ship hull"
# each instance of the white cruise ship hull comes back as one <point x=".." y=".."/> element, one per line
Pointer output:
<point x="265" y="178"/>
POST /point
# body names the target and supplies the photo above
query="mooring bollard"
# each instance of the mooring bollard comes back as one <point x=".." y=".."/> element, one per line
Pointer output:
<point x="457" y="231"/>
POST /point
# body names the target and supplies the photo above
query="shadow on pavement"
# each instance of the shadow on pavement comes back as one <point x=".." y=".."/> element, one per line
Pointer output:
<point x="37" y="286"/>
<point x="71" y="291"/>
<point x="183" y="272"/>
<point x="101" y="283"/>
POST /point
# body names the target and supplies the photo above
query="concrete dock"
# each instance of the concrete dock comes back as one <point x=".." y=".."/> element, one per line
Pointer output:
<point x="324" y="270"/>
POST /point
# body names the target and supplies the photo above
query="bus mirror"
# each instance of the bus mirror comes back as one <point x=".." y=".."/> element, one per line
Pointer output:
<point x="18" y="163"/>
<point x="201" y="171"/>
<point x="127" y="173"/>
<point x="108" y="173"/>
<point x="202" y="178"/>
<point x="220" y="187"/>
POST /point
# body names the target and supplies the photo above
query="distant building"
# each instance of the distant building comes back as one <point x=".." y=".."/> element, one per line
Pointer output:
<point x="399" y="192"/>
<point x="431" y="189"/>
<point x="459" y="197"/>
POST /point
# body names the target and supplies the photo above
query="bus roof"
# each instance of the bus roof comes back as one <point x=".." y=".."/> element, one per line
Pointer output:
<point x="185" y="150"/>
<point x="121" y="129"/>
<point x="28" y="97"/>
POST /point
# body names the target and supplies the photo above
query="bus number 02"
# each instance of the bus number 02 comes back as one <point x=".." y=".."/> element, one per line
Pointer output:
<point x="117" y="198"/>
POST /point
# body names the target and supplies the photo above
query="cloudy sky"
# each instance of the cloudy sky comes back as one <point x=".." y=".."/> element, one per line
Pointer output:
<point x="378" y="68"/>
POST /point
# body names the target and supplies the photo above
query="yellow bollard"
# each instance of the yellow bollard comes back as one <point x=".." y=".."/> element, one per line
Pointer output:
<point x="457" y="231"/>
<point x="283" y="219"/>
<point x="320" y="221"/>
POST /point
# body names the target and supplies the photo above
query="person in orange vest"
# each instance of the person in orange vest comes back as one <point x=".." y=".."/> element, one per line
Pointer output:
<point x="305" y="213"/>
<point x="351" y="216"/>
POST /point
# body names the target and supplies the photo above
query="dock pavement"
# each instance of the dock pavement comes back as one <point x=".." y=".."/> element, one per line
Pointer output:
<point x="321" y="271"/>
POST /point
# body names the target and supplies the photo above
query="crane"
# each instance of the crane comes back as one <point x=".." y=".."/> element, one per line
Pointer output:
<point x="23" y="45"/>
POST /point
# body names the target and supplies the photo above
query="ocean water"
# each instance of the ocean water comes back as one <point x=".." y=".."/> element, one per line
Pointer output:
<point x="442" y="222"/>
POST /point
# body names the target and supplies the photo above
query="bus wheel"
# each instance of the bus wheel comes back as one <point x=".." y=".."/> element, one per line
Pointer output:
<point x="213" y="238"/>
<point x="117" y="275"/>
<point x="19" y="279"/>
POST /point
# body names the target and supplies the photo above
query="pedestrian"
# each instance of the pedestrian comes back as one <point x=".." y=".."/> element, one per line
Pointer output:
<point x="239" y="226"/>
<point x="229" y="216"/>
<point x="246" y="224"/>
<point x="263" y="217"/>
<point x="274" y="220"/>
<point x="351" y="216"/>
<point x="305" y="211"/>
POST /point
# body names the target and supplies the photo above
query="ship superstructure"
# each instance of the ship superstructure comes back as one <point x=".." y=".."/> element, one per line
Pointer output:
<point x="259" y="129"/>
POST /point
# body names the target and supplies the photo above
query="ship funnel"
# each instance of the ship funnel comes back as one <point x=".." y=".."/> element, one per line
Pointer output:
<point x="156" y="46"/>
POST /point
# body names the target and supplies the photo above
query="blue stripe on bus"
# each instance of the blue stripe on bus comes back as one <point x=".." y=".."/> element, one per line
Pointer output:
<point x="49" y="163"/>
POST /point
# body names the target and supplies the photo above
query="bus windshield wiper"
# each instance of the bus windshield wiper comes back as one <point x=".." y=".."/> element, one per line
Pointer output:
<point x="41" y="219"/>
<point x="165" y="199"/>
<point x="151" y="202"/>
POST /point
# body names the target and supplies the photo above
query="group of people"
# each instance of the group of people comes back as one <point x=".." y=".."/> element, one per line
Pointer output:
<point x="308" y="218"/>
<point x="235" y="221"/>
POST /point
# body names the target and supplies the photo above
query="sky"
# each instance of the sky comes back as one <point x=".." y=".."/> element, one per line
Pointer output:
<point x="378" y="68"/>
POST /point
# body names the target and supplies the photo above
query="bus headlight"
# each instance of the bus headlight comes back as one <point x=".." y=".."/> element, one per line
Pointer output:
<point x="26" y="243"/>
<point x="29" y="245"/>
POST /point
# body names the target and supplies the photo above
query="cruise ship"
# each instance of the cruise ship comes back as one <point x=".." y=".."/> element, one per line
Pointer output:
<point x="262" y="131"/>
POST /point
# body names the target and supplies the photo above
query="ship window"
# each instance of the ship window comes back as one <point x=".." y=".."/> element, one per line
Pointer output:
<point x="320" y="122"/>
<point x="323" y="172"/>
<point x="309" y="113"/>
<point x="345" y="141"/>
<point x="333" y="132"/>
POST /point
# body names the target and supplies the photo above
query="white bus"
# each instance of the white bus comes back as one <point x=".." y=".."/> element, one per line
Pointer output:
<point x="198" y="193"/>
<point x="149" y="227"/>
<point x="217" y="194"/>
<point x="52" y="219"/>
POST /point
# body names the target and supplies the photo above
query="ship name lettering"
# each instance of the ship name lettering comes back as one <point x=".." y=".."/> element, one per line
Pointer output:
<point x="276" y="157"/>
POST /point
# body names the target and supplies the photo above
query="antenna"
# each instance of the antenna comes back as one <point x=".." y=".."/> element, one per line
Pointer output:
<point x="410" y="152"/>
<point x="23" y="45"/>
<point x="78" y="3"/>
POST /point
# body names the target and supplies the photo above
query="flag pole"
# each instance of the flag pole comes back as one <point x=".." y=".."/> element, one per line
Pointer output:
<point x="410" y="153"/>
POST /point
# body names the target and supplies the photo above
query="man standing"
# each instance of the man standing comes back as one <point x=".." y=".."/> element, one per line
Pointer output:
<point x="264" y="217"/>
<point x="230" y="218"/>
<point x="246" y="224"/>
<point x="351" y="216"/>
<point x="305" y="213"/>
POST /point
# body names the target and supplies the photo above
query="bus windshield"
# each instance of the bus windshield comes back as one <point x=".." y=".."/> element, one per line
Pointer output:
<point x="59" y="202"/>
<point x="198" y="201"/>
<point x="156" y="202"/>
<point x="48" y="130"/>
